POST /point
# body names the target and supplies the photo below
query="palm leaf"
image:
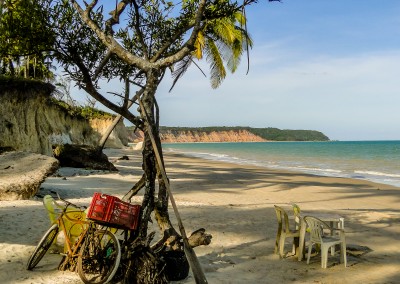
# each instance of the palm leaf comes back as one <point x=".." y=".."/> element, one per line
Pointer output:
<point x="199" y="45"/>
<point x="182" y="67"/>
<point x="218" y="72"/>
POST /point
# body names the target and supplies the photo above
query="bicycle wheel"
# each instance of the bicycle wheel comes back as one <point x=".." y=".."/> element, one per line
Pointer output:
<point x="42" y="247"/>
<point x="99" y="257"/>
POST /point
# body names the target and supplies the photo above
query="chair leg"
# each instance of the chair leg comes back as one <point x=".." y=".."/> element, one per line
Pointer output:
<point x="309" y="252"/>
<point x="278" y="236"/>
<point x="332" y="250"/>
<point x="343" y="254"/>
<point x="282" y="244"/>
<point x="324" y="256"/>
<point x="296" y="241"/>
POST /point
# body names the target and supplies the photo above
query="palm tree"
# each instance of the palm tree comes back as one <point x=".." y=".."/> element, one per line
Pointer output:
<point x="220" y="40"/>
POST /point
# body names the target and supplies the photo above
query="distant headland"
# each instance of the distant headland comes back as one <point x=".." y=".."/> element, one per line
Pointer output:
<point x="230" y="134"/>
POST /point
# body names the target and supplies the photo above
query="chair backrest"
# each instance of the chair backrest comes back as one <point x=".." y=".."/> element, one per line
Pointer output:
<point x="53" y="209"/>
<point x="297" y="213"/>
<point x="316" y="227"/>
<point x="296" y="209"/>
<point x="282" y="217"/>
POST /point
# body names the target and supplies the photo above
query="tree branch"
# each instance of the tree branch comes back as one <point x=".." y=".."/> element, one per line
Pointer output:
<point x="110" y="42"/>
<point x="102" y="64"/>
<point x="120" y="7"/>
<point x="189" y="44"/>
<point x="91" y="89"/>
<point x="139" y="31"/>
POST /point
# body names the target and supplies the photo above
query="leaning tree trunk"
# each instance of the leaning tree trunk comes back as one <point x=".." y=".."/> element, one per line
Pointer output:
<point x="129" y="103"/>
<point x="109" y="130"/>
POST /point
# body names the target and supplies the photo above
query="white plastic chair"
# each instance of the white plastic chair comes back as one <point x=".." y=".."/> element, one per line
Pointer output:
<point x="284" y="231"/>
<point x="297" y="215"/>
<point x="318" y="235"/>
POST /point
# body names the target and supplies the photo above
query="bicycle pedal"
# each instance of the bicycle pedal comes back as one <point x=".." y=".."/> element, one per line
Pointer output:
<point x="54" y="251"/>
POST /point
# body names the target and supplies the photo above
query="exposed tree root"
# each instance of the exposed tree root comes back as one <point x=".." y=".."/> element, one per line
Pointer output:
<point x="135" y="189"/>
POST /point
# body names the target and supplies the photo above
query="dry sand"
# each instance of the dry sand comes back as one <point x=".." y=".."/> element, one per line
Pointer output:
<point x="236" y="205"/>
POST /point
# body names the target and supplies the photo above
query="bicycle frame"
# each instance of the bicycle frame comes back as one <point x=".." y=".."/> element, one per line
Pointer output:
<point x="72" y="248"/>
<point x="89" y="247"/>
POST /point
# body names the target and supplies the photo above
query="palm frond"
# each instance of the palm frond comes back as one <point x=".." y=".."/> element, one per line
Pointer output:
<point x="199" y="45"/>
<point x="182" y="67"/>
<point x="240" y="18"/>
<point x="234" y="59"/>
<point x="218" y="72"/>
<point x="224" y="30"/>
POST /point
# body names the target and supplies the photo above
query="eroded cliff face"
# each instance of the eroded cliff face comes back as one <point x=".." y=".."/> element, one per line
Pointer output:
<point x="215" y="136"/>
<point x="118" y="137"/>
<point x="199" y="136"/>
<point x="30" y="122"/>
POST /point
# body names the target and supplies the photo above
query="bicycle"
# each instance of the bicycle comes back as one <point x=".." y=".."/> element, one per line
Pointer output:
<point x="96" y="249"/>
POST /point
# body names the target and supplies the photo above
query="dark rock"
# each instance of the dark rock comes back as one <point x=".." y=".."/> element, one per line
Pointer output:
<point x="82" y="156"/>
<point x="6" y="149"/>
<point x="126" y="158"/>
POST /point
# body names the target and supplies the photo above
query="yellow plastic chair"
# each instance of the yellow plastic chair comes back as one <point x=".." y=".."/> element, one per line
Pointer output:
<point x="318" y="235"/>
<point x="284" y="231"/>
<point x="53" y="209"/>
<point x="73" y="223"/>
<point x="74" y="229"/>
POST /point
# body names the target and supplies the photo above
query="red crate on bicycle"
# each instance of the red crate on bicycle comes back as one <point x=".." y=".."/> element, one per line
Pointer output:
<point x="111" y="210"/>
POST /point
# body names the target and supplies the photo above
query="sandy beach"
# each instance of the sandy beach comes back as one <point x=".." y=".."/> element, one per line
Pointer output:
<point x="235" y="204"/>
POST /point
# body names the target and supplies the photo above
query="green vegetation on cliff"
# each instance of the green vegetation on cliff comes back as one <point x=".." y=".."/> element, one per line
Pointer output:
<point x="270" y="133"/>
<point x="84" y="112"/>
<point x="21" y="88"/>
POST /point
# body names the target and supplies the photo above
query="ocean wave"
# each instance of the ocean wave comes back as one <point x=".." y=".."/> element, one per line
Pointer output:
<point x="318" y="169"/>
<point x="373" y="173"/>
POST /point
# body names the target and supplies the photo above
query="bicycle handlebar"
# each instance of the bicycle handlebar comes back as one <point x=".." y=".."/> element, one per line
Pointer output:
<point x="66" y="202"/>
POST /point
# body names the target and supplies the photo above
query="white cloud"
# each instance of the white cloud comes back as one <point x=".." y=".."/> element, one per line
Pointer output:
<point x="348" y="95"/>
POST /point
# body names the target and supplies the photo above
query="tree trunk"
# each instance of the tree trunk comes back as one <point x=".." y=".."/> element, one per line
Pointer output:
<point x="149" y="161"/>
<point x="153" y="201"/>
<point x="129" y="103"/>
<point x="110" y="128"/>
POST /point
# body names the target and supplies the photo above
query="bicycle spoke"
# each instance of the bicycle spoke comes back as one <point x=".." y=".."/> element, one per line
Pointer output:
<point x="99" y="257"/>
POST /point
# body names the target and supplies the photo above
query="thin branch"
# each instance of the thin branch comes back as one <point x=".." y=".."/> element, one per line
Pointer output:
<point x="139" y="31"/>
<point x="127" y="88"/>
<point x="137" y="84"/>
<point x="115" y="16"/>
<point x="90" y="7"/>
<point x="189" y="44"/>
<point x="102" y="64"/>
<point x="91" y="89"/>
<point x="168" y="43"/>
<point x="197" y="65"/>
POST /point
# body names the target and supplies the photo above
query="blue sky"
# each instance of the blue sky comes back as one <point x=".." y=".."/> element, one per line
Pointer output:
<point x="331" y="66"/>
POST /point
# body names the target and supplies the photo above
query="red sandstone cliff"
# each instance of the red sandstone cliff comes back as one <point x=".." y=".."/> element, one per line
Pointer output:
<point x="199" y="136"/>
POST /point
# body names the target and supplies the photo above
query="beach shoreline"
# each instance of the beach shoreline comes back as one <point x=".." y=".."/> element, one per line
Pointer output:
<point x="235" y="204"/>
<point x="374" y="161"/>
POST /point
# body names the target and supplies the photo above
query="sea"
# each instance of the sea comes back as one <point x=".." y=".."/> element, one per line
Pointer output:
<point x="377" y="161"/>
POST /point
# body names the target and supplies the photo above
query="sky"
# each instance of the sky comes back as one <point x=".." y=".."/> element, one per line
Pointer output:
<point x="331" y="66"/>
